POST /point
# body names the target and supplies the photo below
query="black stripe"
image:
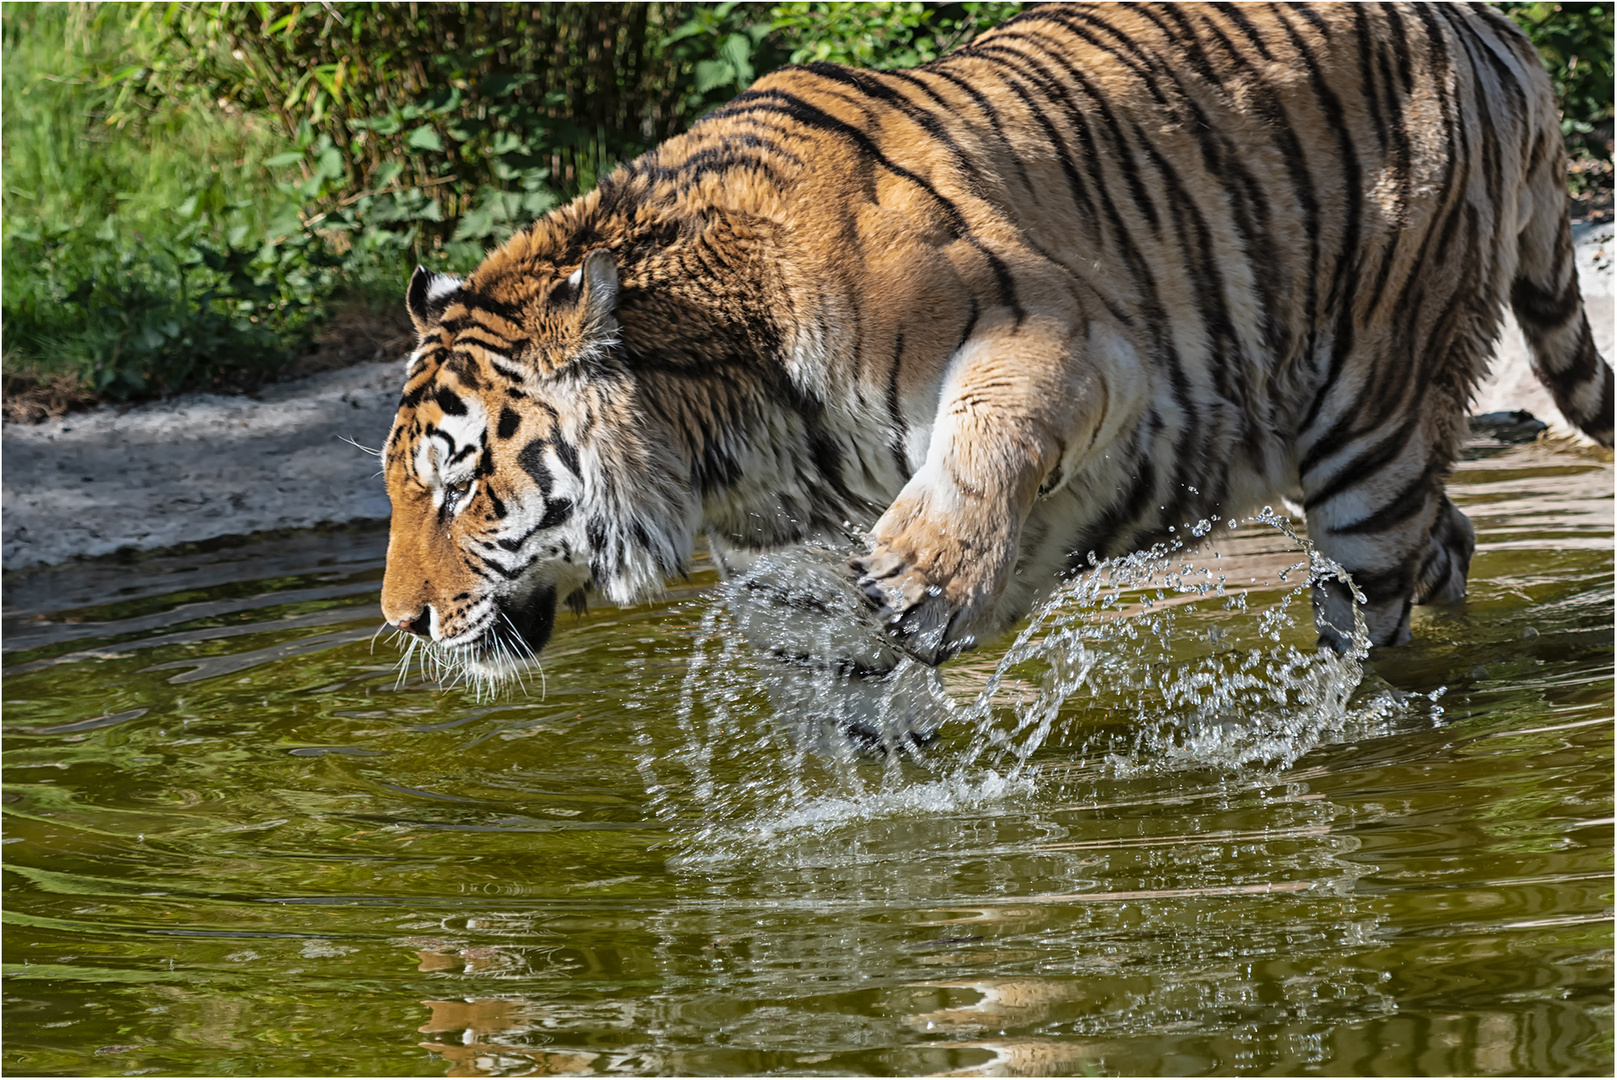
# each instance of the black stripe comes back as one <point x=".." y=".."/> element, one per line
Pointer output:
<point x="1127" y="164"/>
<point x="567" y="455"/>
<point x="1225" y="355"/>
<point x="1267" y="106"/>
<point x="1402" y="174"/>
<point x="476" y="334"/>
<point x="1365" y="466"/>
<point x="1155" y="316"/>
<point x="1579" y="366"/>
<point x="1064" y="155"/>
<point x="1450" y="204"/>
<point x="507" y="372"/>
<point x="472" y="302"/>
<point x="716" y="155"/>
<point x="895" y="416"/>
<point x="1101" y="537"/>
<point x="1248" y="203"/>
<point x="789" y="105"/>
<point x="485" y="563"/>
<point x="971" y="324"/>
<point x="988" y="111"/>
<point x="692" y="171"/>
<point x="1344" y="284"/>
<point x="556" y="512"/>
<point x="1380" y="586"/>
<point x="1365" y="41"/>
<point x="1598" y="426"/>
<point x="509" y="422"/>
<point x="449" y="402"/>
<point x="1539" y="311"/>
<point x="1400" y="508"/>
<point x="1232" y="12"/>
<point x="464" y="368"/>
<point x="871" y="85"/>
<point x="532" y="460"/>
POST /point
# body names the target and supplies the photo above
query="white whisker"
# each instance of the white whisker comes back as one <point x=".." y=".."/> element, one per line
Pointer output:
<point x="488" y="668"/>
<point x="359" y="446"/>
<point x="404" y="662"/>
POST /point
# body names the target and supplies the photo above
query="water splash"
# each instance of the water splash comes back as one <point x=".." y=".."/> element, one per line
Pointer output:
<point x="1198" y="671"/>
<point x="796" y="714"/>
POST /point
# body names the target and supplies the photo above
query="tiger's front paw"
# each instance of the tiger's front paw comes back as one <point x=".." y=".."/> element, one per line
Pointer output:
<point x="928" y="597"/>
<point x="911" y="609"/>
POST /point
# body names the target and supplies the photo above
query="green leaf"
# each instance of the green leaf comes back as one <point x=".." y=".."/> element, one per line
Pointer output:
<point x="385" y="175"/>
<point x="712" y="73"/>
<point x="424" y="138"/>
<point x="289" y="157"/>
<point x="506" y="142"/>
<point x="475" y="224"/>
<point x="502" y="83"/>
<point x="535" y="203"/>
<point x="330" y="164"/>
<point x="385" y="125"/>
<point x="737" y="51"/>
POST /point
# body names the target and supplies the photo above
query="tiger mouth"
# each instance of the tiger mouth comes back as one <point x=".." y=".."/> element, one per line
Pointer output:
<point x="523" y="628"/>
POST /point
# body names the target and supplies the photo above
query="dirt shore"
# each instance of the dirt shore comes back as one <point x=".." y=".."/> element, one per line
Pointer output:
<point x="197" y="467"/>
<point x="204" y="465"/>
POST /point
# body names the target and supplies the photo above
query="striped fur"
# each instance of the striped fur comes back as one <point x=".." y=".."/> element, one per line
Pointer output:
<point x="1108" y="271"/>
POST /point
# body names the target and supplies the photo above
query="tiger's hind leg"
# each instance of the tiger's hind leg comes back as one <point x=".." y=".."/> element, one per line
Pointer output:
<point x="1442" y="573"/>
<point x="1382" y="515"/>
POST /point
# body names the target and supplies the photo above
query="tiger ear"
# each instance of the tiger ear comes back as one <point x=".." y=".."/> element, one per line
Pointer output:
<point x="429" y="294"/>
<point x="596" y="283"/>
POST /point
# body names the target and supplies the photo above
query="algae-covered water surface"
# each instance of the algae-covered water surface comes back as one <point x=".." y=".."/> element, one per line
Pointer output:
<point x="1157" y="834"/>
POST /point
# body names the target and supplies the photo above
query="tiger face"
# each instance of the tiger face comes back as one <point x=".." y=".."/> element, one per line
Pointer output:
<point x="487" y="479"/>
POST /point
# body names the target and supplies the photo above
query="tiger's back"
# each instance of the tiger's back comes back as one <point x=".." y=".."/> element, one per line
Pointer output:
<point x="1109" y="270"/>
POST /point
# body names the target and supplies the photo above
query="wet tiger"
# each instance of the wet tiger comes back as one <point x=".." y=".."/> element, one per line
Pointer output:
<point x="1105" y="272"/>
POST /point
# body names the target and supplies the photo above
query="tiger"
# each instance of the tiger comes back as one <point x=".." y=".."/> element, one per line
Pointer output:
<point x="1105" y="272"/>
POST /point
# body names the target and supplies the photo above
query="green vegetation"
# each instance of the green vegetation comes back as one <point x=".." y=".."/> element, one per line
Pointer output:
<point x="1576" y="43"/>
<point x="193" y="191"/>
<point x="130" y="249"/>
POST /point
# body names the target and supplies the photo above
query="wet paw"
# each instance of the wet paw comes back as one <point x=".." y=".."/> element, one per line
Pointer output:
<point x="869" y="742"/>
<point x="916" y="613"/>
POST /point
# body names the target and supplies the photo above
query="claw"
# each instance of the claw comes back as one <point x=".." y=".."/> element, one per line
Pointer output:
<point x="871" y="743"/>
<point x="914" y="614"/>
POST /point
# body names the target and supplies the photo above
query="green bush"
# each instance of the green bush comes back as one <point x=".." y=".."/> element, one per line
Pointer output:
<point x="891" y="35"/>
<point x="1575" y="42"/>
<point x="189" y="186"/>
<point x="452" y="123"/>
<point x="134" y="253"/>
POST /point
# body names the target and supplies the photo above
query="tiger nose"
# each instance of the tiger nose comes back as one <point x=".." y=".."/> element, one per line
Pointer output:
<point x="418" y="624"/>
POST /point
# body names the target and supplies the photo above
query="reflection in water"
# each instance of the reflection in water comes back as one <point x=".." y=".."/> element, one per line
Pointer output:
<point x="496" y="1037"/>
<point x="1149" y="838"/>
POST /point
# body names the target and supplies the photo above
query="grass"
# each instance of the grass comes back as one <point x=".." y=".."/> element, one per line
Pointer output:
<point x="139" y="244"/>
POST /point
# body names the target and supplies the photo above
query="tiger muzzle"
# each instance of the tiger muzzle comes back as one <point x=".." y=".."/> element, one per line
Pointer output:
<point x="529" y="621"/>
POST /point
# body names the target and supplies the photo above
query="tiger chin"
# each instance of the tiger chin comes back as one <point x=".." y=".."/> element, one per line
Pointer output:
<point x="1106" y="272"/>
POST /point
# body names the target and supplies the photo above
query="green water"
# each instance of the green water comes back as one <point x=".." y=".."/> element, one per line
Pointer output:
<point x="235" y="844"/>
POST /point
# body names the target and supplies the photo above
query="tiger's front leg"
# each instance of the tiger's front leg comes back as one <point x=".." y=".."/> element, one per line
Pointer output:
<point x="1014" y="404"/>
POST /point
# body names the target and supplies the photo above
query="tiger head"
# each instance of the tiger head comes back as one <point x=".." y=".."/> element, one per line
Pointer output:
<point x="522" y="467"/>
